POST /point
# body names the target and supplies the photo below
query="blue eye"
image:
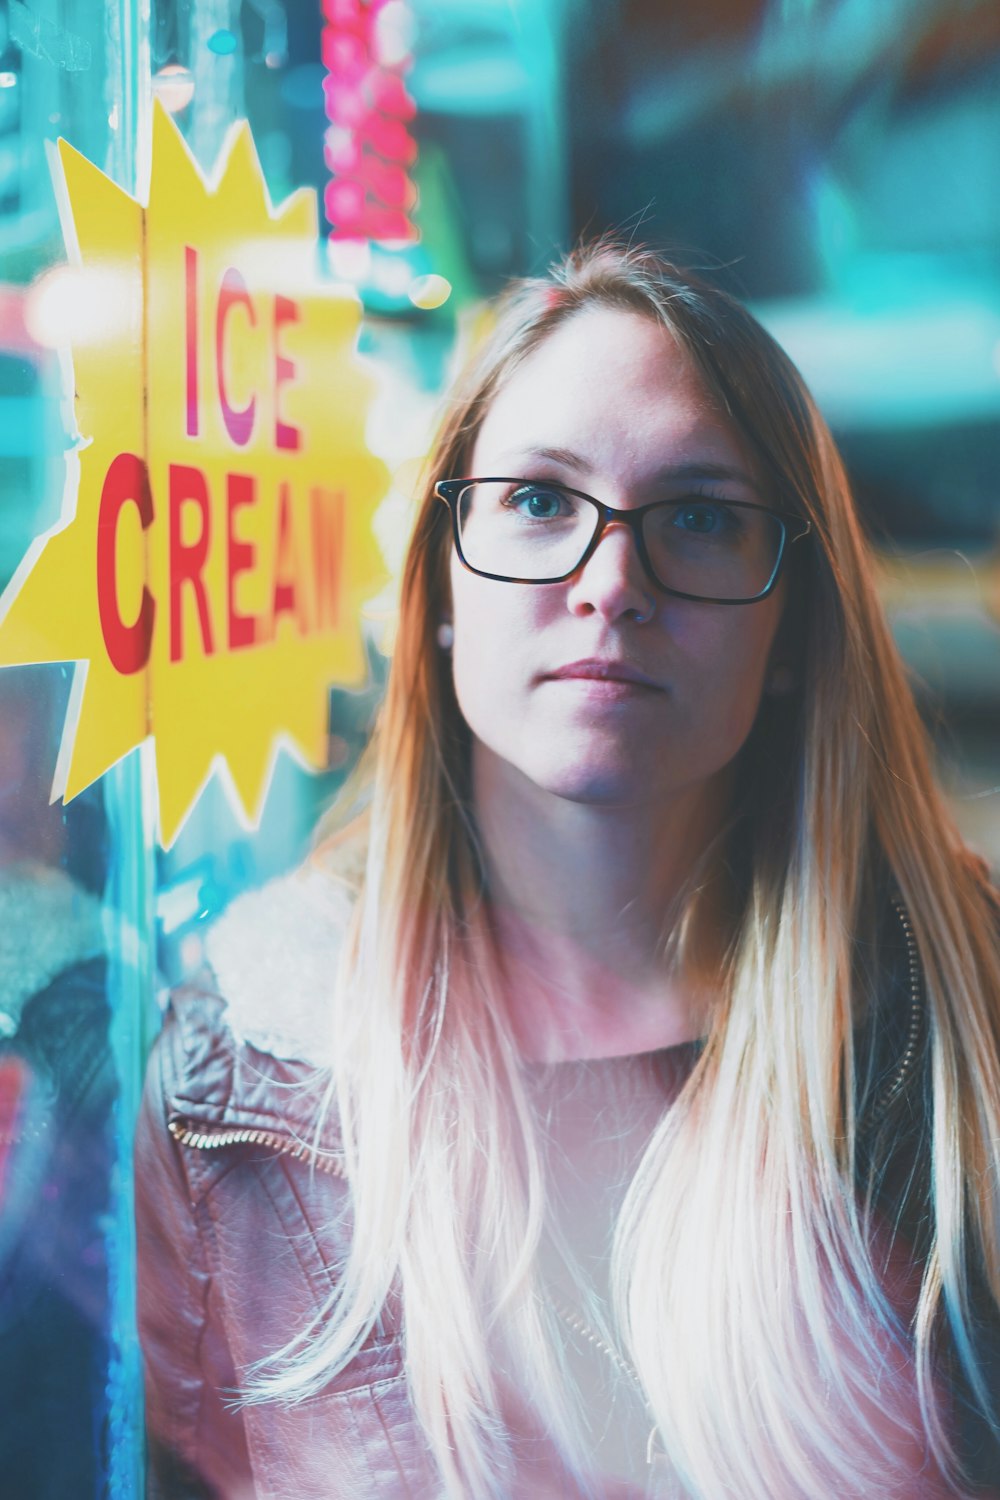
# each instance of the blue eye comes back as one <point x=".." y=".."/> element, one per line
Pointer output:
<point x="538" y="503"/>
<point x="702" y="519"/>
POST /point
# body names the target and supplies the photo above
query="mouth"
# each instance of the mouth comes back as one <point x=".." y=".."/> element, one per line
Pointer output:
<point x="596" y="669"/>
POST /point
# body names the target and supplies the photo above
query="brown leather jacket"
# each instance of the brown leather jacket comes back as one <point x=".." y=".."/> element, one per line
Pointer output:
<point x="240" y="1233"/>
<point x="239" y="1238"/>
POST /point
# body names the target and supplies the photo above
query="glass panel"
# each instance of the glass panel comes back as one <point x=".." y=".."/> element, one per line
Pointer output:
<point x="73" y="965"/>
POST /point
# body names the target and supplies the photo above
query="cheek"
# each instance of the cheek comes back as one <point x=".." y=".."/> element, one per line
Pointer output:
<point x="750" y="666"/>
<point x="725" y="660"/>
<point x="485" y="650"/>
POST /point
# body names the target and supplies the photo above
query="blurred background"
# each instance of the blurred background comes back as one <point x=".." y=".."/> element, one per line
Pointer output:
<point x="834" y="162"/>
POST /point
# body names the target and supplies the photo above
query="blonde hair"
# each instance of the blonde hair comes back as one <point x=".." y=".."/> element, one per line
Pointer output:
<point x="749" y="1291"/>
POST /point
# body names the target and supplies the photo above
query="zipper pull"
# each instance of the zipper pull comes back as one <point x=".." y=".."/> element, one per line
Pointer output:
<point x="660" y="1478"/>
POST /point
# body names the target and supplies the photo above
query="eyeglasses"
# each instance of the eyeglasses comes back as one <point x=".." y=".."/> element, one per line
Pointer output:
<point x="698" y="547"/>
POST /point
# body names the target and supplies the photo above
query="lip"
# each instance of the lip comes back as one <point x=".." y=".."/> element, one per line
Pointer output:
<point x="603" y="669"/>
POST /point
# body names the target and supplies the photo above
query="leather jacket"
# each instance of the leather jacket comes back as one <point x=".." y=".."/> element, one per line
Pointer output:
<point x="240" y="1230"/>
<point x="241" y="1227"/>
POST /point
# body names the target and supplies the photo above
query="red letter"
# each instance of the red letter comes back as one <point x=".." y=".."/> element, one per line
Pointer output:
<point x="285" y="311"/>
<point x="284" y="598"/>
<point x="239" y="424"/>
<point x="191" y="337"/>
<point x="327" y="539"/>
<point x="241" y="489"/>
<point x="187" y="560"/>
<point x="127" y="645"/>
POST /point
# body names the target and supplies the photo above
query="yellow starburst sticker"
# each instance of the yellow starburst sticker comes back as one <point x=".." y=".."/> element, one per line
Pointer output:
<point x="208" y="579"/>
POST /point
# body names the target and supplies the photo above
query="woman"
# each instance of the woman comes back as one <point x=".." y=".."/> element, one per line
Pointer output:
<point x="613" y="1108"/>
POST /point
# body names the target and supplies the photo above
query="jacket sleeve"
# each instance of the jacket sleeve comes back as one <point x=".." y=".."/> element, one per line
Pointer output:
<point x="196" y="1443"/>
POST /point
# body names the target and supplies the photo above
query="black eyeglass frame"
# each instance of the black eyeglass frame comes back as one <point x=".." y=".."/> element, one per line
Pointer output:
<point x="450" y="491"/>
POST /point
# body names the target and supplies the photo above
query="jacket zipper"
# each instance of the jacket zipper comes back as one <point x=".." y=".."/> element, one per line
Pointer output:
<point x="215" y="1137"/>
<point x="908" y="1060"/>
<point x="573" y="1320"/>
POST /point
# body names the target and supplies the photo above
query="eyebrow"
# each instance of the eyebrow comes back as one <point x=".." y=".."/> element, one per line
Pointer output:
<point x="669" y="474"/>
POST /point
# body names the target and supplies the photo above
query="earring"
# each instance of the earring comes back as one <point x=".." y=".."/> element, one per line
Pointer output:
<point x="780" y="680"/>
<point x="446" y="635"/>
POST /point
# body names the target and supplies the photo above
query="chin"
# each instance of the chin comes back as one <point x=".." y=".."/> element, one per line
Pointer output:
<point x="595" y="786"/>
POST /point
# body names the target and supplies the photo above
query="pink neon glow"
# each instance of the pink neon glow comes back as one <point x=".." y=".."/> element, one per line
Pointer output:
<point x="367" y="147"/>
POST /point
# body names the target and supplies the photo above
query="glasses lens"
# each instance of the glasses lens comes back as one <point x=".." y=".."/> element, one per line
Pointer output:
<point x="713" y="550"/>
<point x="520" y="530"/>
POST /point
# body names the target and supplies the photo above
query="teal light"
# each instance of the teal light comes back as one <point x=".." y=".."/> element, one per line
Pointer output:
<point x="222" y="42"/>
<point x="838" y="238"/>
<point x="896" y="351"/>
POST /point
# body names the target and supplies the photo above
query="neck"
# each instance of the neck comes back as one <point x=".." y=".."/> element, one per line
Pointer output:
<point x="585" y="902"/>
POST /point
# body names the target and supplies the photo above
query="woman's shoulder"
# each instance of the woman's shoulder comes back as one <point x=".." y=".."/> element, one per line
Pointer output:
<point x="255" y="1020"/>
<point x="274" y="955"/>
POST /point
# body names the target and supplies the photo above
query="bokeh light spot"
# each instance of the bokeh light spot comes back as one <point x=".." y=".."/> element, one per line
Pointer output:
<point x="222" y="42"/>
<point x="430" y="291"/>
<point x="173" y="85"/>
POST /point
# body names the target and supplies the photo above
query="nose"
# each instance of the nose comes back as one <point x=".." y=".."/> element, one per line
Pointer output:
<point x="612" y="582"/>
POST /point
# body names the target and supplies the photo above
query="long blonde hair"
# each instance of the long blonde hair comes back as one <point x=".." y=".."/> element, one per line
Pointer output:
<point x="748" y="1291"/>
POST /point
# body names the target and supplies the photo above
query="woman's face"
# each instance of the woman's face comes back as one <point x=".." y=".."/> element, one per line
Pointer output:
<point x="610" y="405"/>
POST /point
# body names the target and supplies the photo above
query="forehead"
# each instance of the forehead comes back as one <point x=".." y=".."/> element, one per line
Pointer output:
<point x="615" y="388"/>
